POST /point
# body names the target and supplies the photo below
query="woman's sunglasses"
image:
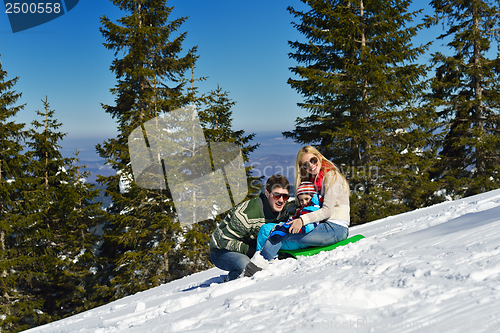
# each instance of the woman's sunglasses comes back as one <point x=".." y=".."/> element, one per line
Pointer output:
<point x="276" y="196"/>
<point x="313" y="160"/>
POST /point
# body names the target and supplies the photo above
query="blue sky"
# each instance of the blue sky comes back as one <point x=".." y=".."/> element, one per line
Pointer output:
<point x="243" y="47"/>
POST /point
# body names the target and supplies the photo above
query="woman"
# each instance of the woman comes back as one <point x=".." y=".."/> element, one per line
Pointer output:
<point x="312" y="166"/>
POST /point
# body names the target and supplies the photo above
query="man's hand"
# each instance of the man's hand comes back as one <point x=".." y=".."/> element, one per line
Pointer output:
<point x="295" y="225"/>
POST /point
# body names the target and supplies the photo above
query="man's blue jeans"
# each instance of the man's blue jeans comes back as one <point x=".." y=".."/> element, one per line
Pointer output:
<point x="326" y="233"/>
<point x="234" y="262"/>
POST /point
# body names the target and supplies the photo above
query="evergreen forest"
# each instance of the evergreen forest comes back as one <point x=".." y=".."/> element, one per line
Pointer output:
<point x="406" y="133"/>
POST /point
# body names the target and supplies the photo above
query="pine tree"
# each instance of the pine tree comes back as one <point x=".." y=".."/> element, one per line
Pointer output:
<point x="465" y="91"/>
<point x="83" y="217"/>
<point x="142" y="231"/>
<point x="361" y="86"/>
<point x="53" y="242"/>
<point x="217" y="118"/>
<point x="217" y="121"/>
<point x="38" y="225"/>
<point x="12" y="304"/>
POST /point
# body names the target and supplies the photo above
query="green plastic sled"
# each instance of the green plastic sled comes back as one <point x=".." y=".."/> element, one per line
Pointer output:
<point x="310" y="251"/>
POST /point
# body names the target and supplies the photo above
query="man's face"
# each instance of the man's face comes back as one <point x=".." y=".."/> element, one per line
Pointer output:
<point x="277" y="198"/>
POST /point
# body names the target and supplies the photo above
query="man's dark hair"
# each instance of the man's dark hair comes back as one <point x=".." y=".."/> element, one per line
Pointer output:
<point x="277" y="181"/>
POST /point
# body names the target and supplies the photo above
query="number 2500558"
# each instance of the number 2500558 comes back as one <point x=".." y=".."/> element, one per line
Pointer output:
<point x="32" y="8"/>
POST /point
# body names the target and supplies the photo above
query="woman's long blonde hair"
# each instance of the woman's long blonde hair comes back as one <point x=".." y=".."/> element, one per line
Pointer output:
<point x="325" y="166"/>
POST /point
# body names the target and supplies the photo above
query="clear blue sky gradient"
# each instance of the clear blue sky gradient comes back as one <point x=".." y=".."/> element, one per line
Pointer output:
<point x="243" y="47"/>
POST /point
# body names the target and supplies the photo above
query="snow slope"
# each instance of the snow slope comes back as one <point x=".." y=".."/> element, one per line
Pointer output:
<point x="433" y="269"/>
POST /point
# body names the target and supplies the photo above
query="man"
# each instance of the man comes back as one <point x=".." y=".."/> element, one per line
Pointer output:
<point x="234" y="240"/>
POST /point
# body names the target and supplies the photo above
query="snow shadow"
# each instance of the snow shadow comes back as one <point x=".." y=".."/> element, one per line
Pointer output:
<point x="207" y="283"/>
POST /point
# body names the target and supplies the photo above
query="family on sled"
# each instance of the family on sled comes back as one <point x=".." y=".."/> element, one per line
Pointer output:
<point x="253" y="232"/>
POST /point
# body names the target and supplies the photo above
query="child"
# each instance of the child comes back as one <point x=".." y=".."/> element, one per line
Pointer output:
<point x="309" y="200"/>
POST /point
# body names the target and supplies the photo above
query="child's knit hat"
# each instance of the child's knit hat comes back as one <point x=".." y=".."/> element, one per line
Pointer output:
<point x="306" y="188"/>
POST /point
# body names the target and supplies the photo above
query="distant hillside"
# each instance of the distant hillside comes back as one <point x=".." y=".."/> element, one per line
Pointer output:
<point x="97" y="168"/>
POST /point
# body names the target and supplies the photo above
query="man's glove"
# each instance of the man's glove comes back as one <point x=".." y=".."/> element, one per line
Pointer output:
<point x="250" y="251"/>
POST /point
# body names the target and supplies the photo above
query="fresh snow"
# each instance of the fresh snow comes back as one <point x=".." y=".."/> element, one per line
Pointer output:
<point x="435" y="269"/>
